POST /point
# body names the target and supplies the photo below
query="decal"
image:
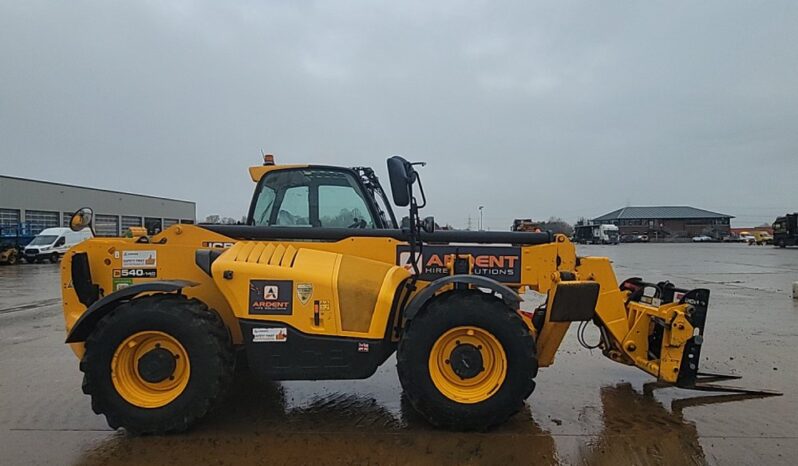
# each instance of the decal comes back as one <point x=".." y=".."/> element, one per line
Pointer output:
<point x="363" y="347"/>
<point x="304" y="291"/>
<point x="120" y="283"/>
<point x="135" y="273"/>
<point x="217" y="244"/>
<point x="269" y="335"/>
<point x="321" y="311"/>
<point x="502" y="264"/>
<point x="135" y="259"/>
<point x="271" y="297"/>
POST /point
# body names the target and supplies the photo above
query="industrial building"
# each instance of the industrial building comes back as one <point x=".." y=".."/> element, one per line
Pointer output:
<point x="668" y="223"/>
<point x="42" y="204"/>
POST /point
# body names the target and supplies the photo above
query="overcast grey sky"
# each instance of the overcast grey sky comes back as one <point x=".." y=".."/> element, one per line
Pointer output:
<point x="533" y="110"/>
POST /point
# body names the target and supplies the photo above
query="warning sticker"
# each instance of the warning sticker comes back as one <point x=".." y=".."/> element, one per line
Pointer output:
<point x="304" y="291"/>
<point x="133" y="259"/>
<point x="269" y="335"/>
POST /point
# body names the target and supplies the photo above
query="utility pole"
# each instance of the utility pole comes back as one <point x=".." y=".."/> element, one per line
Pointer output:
<point x="469" y="223"/>
<point x="481" y="226"/>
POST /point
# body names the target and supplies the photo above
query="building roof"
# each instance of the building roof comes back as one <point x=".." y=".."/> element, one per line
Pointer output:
<point x="53" y="183"/>
<point x="647" y="212"/>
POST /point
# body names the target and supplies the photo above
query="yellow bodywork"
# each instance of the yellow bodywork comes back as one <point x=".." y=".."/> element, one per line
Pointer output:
<point x="349" y="286"/>
<point x="373" y="279"/>
<point x="352" y="295"/>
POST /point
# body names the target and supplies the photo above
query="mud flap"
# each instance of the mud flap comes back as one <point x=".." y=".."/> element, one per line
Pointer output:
<point x="574" y="301"/>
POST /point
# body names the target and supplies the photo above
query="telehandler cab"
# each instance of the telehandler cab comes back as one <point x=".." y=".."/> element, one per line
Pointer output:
<point x="321" y="283"/>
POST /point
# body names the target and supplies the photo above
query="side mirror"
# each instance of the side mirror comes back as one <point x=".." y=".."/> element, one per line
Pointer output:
<point x="428" y="224"/>
<point x="400" y="173"/>
<point x="81" y="219"/>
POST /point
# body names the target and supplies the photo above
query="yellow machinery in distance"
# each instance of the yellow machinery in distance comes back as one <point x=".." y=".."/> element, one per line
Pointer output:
<point x="321" y="283"/>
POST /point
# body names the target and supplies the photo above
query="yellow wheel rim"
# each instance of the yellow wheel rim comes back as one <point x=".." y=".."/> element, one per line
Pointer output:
<point x="133" y="386"/>
<point x="467" y="364"/>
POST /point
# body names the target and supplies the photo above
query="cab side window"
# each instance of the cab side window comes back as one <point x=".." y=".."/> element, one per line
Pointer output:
<point x="263" y="205"/>
<point x="342" y="207"/>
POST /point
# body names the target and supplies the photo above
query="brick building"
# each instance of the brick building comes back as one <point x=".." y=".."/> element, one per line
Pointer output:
<point x="668" y="223"/>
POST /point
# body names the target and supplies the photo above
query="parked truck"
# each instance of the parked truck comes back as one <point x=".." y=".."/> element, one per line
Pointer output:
<point x="785" y="230"/>
<point x="596" y="234"/>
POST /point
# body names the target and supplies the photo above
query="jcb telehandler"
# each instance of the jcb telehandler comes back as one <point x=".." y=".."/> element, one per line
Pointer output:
<point x="321" y="283"/>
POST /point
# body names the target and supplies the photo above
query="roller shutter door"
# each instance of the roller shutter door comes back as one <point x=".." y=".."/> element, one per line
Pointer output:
<point x="106" y="225"/>
<point x="129" y="221"/>
<point x="39" y="220"/>
<point x="9" y="217"/>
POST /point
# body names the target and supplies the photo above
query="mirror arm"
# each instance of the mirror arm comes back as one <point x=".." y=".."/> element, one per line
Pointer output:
<point x="421" y="190"/>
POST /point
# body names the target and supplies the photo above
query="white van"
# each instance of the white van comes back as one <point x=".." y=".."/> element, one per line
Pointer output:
<point x="52" y="243"/>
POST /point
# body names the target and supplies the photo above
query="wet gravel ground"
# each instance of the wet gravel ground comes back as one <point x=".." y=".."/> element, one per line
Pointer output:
<point x="585" y="410"/>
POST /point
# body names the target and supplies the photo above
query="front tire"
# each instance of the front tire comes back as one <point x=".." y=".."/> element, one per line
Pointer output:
<point x="157" y="364"/>
<point x="467" y="361"/>
<point x="53" y="258"/>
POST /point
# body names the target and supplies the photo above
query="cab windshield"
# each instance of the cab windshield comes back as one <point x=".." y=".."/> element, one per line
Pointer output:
<point x="44" y="240"/>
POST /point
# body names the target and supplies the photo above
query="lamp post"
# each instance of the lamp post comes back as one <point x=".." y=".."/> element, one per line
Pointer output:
<point x="480" y="217"/>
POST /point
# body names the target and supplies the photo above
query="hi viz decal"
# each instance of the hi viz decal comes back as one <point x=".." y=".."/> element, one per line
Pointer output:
<point x="502" y="264"/>
<point x="271" y="297"/>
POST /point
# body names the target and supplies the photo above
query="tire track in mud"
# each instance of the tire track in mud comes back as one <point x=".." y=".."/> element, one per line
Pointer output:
<point x="33" y="305"/>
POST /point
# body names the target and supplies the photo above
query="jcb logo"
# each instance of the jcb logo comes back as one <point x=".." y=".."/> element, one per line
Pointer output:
<point x="217" y="244"/>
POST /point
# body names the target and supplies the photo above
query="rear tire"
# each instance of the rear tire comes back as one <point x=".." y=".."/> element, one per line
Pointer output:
<point x="425" y="384"/>
<point x="125" y="395"/>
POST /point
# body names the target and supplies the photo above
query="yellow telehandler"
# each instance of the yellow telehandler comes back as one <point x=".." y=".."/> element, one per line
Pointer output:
<point x="322" y="283"/>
